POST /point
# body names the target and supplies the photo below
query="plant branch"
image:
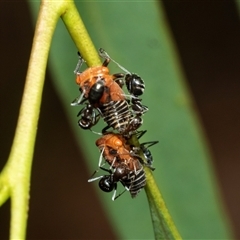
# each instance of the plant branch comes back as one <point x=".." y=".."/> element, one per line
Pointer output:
<point x="163" y="225"/>
<point x="18" y="168"/>
<point x="80" y="36"/>
<point x="15" y="177"/>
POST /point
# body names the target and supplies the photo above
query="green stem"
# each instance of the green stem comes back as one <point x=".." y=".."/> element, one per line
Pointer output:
<point x="18" y="168"/>
<point x="80" y="36"/>
<point x="15" y="177"/>
<point x="163" y="225"/>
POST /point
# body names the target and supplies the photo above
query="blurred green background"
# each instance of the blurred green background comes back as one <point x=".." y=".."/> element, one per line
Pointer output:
<point x="181" y="49"/>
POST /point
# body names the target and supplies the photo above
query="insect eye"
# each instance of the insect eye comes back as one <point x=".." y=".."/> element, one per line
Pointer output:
<point x="112" y="151"/>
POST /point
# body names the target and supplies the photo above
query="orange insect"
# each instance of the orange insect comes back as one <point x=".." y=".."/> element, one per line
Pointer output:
<point x="114" y="146"/>
<point x="126" y="165"/>
<point x="115" y="150"/>
<point x="104" y="93"/>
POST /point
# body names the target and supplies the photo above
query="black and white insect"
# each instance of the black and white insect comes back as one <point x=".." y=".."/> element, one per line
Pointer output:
<point x="105" y="98"/>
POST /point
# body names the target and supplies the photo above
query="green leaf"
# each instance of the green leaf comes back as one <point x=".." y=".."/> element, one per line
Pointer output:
<point x="136" y="35"/>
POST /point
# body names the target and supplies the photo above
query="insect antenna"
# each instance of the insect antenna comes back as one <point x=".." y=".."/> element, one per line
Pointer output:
<point x="104" y="54"/>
